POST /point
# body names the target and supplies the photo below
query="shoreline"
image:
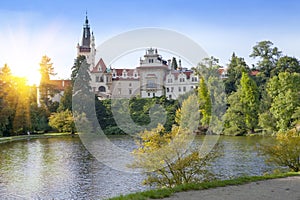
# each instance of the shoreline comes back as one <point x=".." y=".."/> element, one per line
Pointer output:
<point x="204" y="186"/>
<point x="34" y="136"/>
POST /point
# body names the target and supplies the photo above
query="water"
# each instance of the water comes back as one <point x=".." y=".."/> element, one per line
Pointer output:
<point x="61" y="168"/>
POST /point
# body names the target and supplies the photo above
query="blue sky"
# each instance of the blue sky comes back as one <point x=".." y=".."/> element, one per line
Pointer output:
<point x="30" y="29"/>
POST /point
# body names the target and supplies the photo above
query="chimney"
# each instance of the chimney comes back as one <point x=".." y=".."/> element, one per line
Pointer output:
<point x="169" y="64"/>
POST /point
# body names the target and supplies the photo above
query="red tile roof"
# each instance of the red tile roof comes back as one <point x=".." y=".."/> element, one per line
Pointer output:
<point x="60" y="85"/>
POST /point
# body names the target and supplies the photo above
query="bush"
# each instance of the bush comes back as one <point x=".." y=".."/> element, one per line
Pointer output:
<point x="167" y="161"/>
<point x="285" y="151"/>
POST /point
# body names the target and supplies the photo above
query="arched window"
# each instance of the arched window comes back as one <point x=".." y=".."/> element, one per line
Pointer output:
<point x="102" y="89"/>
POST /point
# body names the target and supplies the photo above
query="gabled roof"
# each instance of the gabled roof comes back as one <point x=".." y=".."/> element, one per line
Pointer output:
<point x="100" y="65"/>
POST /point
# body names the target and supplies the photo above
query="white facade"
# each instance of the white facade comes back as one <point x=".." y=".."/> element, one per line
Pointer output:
<point x="152" y="78"/>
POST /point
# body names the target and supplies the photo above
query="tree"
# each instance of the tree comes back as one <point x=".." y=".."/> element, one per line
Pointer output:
<point x="8" y="100"/>
<point x="214" y="99"/>
<point x="204" y="101"/>
<point x="235" y="69"/>
<point x="46" y="88"/>
<point x="76" y="67"/>
<point x="285" y="151"/>
<point x="164" y="158"/>
<point x="268" y="56"/>
<point x="286" y="64"/>
<point x="242" y="115"/>
<point x="62" y="121"/>
<point x="66" y="100"/>
<point x="21" y="122"/>
<point x="174" y="64"/>
<point x="285" y="94"/>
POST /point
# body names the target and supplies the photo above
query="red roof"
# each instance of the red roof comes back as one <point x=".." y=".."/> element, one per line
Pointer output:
<point x="60" y="84"/>
<point x="100" y="65"/>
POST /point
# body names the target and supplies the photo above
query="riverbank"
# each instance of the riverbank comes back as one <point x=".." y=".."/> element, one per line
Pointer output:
<point x="34" y="136"/>
<point x="193" y="191"/>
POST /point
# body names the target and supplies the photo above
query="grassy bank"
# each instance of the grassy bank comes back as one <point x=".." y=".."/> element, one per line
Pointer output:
<point x="34" y="136"/>
<point x="166" y="192"/>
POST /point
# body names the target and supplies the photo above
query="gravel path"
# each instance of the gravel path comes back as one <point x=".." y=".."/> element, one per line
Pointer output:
<point x="274" y="189"/>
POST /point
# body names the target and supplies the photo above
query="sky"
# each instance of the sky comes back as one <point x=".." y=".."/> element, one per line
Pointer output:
<point x="31" y="29"/>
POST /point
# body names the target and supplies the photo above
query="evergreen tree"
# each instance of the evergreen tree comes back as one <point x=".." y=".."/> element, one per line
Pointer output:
<point x="242" y="115"/>
<point x="235" y="69"/>
<point x="46" y="88"/>
<point x="174" y="64"/>
<point x="204" y="103"/>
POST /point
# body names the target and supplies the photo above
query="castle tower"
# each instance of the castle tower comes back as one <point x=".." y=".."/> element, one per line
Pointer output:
<point x="87" y="46"/>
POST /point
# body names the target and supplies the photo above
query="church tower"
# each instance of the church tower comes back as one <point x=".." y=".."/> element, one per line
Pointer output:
<point x="87" y="46"/>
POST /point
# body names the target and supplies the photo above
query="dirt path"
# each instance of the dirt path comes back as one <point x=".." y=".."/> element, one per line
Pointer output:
<point x="274" y="189"/>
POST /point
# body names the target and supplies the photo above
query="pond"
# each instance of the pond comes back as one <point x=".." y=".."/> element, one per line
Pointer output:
<point x="61" y="168"/>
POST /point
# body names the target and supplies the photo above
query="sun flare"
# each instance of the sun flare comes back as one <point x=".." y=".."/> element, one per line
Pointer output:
<point x="31" y="74"/>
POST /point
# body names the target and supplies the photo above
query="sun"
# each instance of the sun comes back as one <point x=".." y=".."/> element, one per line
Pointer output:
<point x="31" y="74"/>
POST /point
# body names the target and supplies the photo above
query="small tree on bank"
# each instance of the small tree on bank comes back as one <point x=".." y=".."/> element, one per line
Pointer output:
<point x="62" y="121"/>
<point x="167" y="158"/>
<point x="285" y="151"/>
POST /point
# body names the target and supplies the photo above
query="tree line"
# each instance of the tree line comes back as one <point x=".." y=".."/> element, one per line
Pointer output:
<point x="262" y="98"/>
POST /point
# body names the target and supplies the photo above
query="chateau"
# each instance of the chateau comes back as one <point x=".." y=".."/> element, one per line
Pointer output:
<point x="154" y="77"/>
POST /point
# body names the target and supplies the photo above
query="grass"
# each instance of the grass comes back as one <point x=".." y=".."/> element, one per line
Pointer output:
<point x="167" y="192"/>
<point x="34" y="136"/>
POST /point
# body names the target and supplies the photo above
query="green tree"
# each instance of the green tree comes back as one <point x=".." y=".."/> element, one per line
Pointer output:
<point x="268" y="57"/>
<point x="164" y="158"/>
<point x="8" y="100"/>
<point x="76" y="67"/>
<point x="242" y="115"/>
<point x="204" y="101"/>
<point x="285" y="94"/>
<point x="286" y="64"/>
<point x="174" y="64"/>
<point x="46" y="88"/>
<point x="66" y="100"/>
<point x="285" y="151"/>
<point x="62" y="121"/>
<point x="235" y="69"/>
<point x="21" y="122"/>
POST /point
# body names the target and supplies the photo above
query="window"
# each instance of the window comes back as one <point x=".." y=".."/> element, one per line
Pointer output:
<point x="148" y="94"/>
<point x="181" y="80"/>
<point x="179" y="89"/>
<point x="151" y="60"/>
<point x="184" y="89"/>
<point x="170" y="96"/>
<point x="151" y="84"/>
<point x="114" y="75"/>
<point x="172" y="89"/>
<point x="130" y="91"/>
<point x="192" y="87"/>
<point x="168" y="90"/>
<point x="153" y="94"/>
<point x="101" y="79"/>
<point x="130" y="84"/>
<point x="102" y="89"/>
<point x="170" y="80"/>
<point x="97" y="79"/>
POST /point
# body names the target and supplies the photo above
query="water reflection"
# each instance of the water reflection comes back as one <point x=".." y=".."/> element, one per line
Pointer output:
<point x="61" y="168"/>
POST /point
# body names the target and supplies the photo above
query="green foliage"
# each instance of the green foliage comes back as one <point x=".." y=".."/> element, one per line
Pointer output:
<point x="174" y="64"/>
<point x="46" y="88"/>
<point x="284" y="93"/>
<point x="138" y="109"/>
<point x="166" y="160"/>
<point x="285" y="151"/>
<point x="242" y="115"/>
<point x="62" y="121"/>
<point x="204" y="103"/>
<point x="66" y="100"/>
<point x="235" y="69"/>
